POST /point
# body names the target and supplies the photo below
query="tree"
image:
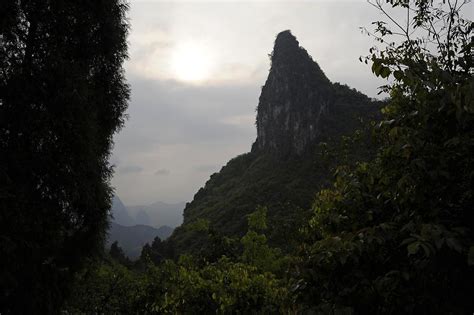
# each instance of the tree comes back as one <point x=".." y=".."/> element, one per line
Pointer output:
<point x="396" y="234"/>
<point x="116" y="252"/>
<point x="256" y="251"/>
<point x="62" y="97"/>
<point x="156" y="252"/>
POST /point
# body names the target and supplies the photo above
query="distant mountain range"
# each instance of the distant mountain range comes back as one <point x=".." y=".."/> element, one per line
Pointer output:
<point x="133" y="227"/>
<point x="159" y="213"/>
<point x="155" y="215"/>
<point x="132" y="238"/>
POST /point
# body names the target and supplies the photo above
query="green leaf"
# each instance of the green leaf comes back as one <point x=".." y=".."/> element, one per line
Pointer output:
<point x="376" y="66"/>
<point x="398" y="75"/>
<point x="413" y="248"/>
<point x="385" y="72"/>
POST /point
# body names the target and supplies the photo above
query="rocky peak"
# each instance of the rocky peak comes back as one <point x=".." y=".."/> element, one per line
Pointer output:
<point x="295" y="97"/>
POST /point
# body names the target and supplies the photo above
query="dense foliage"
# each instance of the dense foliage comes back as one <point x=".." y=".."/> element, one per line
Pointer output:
<point x="62" y="97"/>
<point x="396" y="234"/>
<point x="156" y="286"/>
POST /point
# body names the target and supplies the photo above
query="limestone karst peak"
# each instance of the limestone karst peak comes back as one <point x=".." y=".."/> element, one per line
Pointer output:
<point x="290" y="60"/>
<point x="295" y="96"/>
<point x="285" y="41"/>
<point x="299" y="106"/>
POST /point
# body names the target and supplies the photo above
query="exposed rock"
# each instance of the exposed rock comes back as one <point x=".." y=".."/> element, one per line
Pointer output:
<point x="295" y="101"/>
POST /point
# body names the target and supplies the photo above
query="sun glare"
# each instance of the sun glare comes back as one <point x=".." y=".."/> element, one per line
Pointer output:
<point x="192" y="62"/>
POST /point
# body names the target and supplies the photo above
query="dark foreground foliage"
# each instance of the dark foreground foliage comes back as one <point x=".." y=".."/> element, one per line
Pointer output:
<point x="246" y="284"/>
<point x="62" y="97"/>
<point x="396" y="234"/>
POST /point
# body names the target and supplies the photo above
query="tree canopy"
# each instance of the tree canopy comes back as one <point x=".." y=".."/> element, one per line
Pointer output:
<point x="396" y="234"/>
<point x="62" y="97"/>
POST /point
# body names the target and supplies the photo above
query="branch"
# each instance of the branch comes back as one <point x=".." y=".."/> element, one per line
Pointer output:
<point x="379" y="7"/>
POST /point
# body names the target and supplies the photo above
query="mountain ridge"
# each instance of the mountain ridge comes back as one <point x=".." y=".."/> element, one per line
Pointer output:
<point x="132" y="238"/>
<point x="156" y="214"/>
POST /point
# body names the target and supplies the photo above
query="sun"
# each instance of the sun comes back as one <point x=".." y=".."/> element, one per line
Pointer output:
<point x="192" y="62"/>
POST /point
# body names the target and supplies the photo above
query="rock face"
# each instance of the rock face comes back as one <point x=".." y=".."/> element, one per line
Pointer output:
<point x="120" y="213"/>
<point x="294" y="99"/>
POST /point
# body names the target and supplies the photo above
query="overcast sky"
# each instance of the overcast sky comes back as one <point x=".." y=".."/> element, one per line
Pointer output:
<point x="196" y="69"/>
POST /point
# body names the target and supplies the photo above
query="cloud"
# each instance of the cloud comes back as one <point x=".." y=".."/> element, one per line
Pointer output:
<point x="239" y="120"/>
<point x="207" y="168"/>
<point x="194" y="129"/>
<point x="129" y="169"/>
<point x="162" y="172"/>
<point x="191" y="130"/>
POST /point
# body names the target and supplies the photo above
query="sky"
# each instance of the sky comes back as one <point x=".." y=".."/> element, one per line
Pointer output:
<point x="196" y="69"/>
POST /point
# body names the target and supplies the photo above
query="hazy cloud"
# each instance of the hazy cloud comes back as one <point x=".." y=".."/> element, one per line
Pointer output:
<point x="130" y="169"/>
<point x="207" y="168"/>
<point x="194" y="129"/>
<point x="162" y="172"/>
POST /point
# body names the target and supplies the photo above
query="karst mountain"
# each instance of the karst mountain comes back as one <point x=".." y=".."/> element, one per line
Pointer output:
<point x="301" y="117"/>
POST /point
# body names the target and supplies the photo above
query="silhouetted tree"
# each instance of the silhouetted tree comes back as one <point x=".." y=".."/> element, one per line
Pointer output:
<point x="116" y="252"/>
<point x="156" y="252"/>
<point x="62" y="97"/>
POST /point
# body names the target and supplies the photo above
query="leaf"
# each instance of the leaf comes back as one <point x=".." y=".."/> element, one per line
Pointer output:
<point x="376" y="66"/>
<point x="413" y="248"/>
<point x="398" y="75"/>
<point x="385" y="72"/>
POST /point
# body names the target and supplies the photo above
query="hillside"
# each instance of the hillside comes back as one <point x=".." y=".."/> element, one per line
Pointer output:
<point x="119" y="213"/>
<point x="301" y="117"/>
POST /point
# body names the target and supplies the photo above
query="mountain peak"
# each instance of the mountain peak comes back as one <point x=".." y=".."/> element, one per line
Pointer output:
<point x="295" y="96"/>
<point x="285" y="40"/>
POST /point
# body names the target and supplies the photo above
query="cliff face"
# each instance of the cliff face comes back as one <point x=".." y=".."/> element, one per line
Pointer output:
<point x="296" y="102"/>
